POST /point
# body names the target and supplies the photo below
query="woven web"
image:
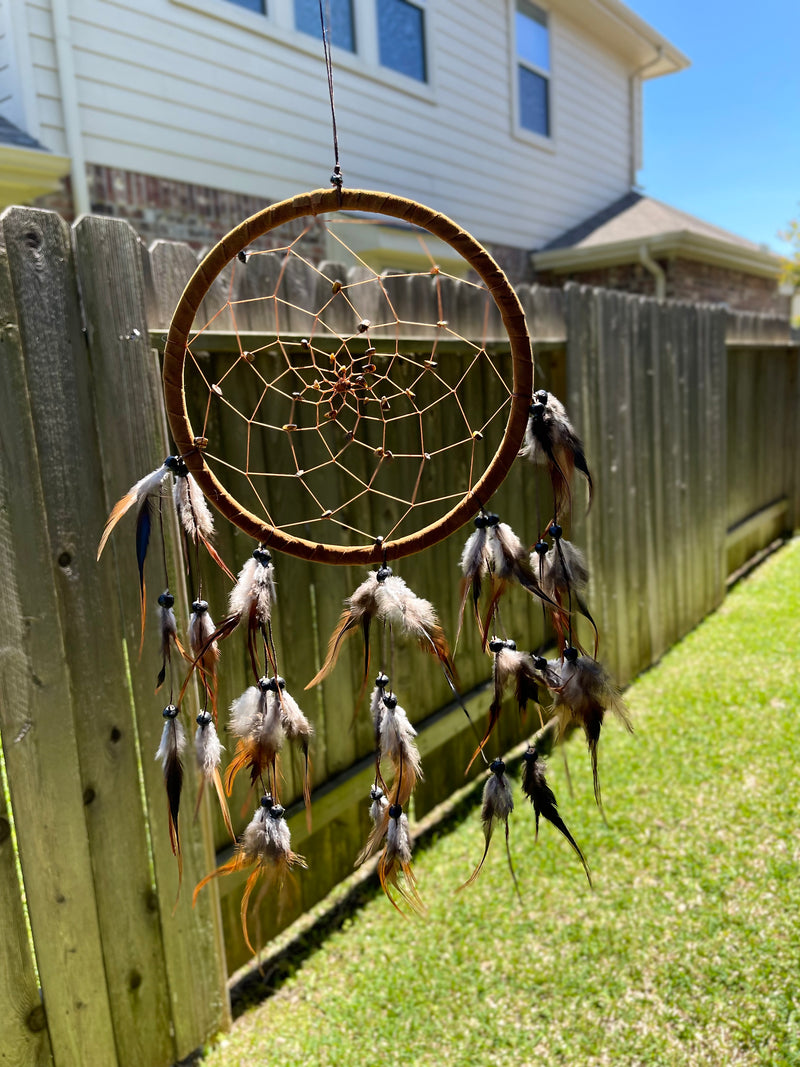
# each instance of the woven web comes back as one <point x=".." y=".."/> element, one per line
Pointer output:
<point x="344" y="405"/>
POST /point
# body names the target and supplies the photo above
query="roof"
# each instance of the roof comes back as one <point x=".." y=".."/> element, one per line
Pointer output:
<point x="617" y="234"/>
<point x="13" y="135"/>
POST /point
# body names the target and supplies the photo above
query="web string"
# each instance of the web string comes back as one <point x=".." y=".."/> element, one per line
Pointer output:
<point x="346" y="402"/>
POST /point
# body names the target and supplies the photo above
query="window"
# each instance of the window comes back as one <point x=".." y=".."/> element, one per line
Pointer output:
<point x="533" y="67"/>
<point x="340" y="20"/>
<point x="401" y="37"/>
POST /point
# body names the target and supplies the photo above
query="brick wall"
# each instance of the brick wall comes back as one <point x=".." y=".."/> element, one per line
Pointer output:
<point x="686" y="279"/>
<point x="168" y="210"/>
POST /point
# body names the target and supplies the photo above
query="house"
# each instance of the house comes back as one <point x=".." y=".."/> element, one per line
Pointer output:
<point x="644" y="246"/>
<point x="518" y="119"/>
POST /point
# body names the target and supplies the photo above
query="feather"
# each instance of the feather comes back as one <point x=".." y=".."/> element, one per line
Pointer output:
<point x="397" y="745"/>
<point x="144" y="523"/>
<point x="586" y="693"/>
<point x="298" y="730"/>
<point x="564" y="577"/>
<point x="266" y="844"/>
<point x="359" y="610"/>
<point x="397" y="604"/>
<point x="379" y="814"/>
<point x="474" y="566"/>
<point x="535" y="787"/>
<point x="496" y="806"/>
<point x="204" y="648"/>
<point x="169" y="635"/>
<point x="173" y="742"/>
<point x="396" y="860"/>
<point x="209" y="755"/>
<point x="509" y="665"/>
<point x="151" y="483"/>
<point x="256" y="721"/>
<point x="193" y="511"/>
<point x="509" y="561"/>
<point x="550" y="439"/>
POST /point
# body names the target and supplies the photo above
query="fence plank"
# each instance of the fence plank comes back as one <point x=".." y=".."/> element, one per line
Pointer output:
<point x="24" y="1040"/>
<point x="130" y="428"/>
<point x="38" y="725"/>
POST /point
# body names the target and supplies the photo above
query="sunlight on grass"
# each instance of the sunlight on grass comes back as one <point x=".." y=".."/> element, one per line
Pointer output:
<point x="686" y="953"/>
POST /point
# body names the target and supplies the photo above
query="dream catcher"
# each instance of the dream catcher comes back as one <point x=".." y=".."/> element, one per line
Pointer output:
<point x="355" y="434"/>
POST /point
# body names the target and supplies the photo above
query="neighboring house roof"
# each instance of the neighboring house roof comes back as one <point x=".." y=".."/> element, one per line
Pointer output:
<point x="13" y="135"/>
<point x="618" y="233"/>
<point x="27" y="168"/>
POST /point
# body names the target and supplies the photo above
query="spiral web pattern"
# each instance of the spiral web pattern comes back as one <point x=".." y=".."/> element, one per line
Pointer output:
<point x="356" y="411"/>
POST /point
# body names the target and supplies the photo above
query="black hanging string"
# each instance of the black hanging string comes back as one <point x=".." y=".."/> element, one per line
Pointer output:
<point x="337" y="178"/>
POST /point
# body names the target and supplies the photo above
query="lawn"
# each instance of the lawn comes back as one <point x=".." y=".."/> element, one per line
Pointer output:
<point x="687" y="952"/>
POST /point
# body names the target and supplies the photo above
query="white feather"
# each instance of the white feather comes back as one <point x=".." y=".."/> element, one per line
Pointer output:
<point x="208" y="749"/>
<point x="173" y="741"/>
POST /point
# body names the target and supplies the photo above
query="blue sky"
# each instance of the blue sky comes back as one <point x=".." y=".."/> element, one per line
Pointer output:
<point x="722" y="139"/>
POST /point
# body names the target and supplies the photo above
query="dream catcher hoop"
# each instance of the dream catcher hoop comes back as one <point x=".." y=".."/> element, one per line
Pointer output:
<point x="346" y="374"/>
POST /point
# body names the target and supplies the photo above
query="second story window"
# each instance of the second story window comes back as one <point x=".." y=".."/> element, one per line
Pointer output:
<point x="340" y="14"/>
<point x="533" y="67"/>
<point x="401" y="37"/>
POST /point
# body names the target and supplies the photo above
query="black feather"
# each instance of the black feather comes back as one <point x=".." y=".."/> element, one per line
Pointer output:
<point x="535" y="787"/>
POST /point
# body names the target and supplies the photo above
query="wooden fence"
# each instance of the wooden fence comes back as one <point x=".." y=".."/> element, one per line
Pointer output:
<point x="690" y="419"/>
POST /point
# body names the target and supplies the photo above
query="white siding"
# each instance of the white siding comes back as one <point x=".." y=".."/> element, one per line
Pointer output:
<point x="172" y="91"/>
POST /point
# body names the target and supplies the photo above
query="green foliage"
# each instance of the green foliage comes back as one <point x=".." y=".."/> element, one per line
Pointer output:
<point x="687" y="951"/>
<point x="791" y="264"/>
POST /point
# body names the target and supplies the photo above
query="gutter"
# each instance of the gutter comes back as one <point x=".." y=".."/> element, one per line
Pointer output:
<point x="655" y="269"/>
<point x="69" y="105"/>
<point x="634" y="83"/>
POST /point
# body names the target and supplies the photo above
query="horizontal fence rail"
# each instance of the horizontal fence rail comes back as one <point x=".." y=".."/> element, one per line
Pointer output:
<point x="689" y="415"/>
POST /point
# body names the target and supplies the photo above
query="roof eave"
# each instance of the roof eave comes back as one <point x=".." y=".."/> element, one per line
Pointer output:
<point x="624" y="31"/>
<point x="677" y="243"/>
<point x="26" y="173"/>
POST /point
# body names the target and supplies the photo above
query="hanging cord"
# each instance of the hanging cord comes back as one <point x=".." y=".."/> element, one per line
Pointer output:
<point x="337" y="178"/>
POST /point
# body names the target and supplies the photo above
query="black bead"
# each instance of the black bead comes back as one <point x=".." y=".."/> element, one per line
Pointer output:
<point x="170" y="712"/>
<point x="389" y="701"/>
<point x="382" y="680"/>
<point x="262" y="556"/>
<point x="536" y="412"/>
<point x="166" y="599"/>
<point x="383" y="573"/>
<point x="530" y="755"/>
<point x="172" y="463"/>
<point x="204" y="718"/>
<point x="480" y="521"/>
<point x="510" y="645"/>
<point x="395" y="811"/>
<point x="375" y="793"/>
<point x="540" y="663"/>
<point x="199" y="607"/>
<point x="496" y="645"/>
<point x="280" y="682"/>
<point x="542" y="396"/>
<point x="276" y="811"/>
<point x="555" y="530"/>
<point x="570" y="654"/>
<point x="266" y="684"/>
<point x="266" y="800"/>
<point x="492" y="519"/>
<point x="497" y="766"/>
<point x="541" y="548"/>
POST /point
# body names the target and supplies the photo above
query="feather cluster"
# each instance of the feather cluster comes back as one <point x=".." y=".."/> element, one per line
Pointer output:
<point x="256" y="721"/>
<point x="564" y="576"/>
<point x="384" y="597"/>
<point x="168" y="629"/>
<point x="508" y="561"/>
<point x="205" y="650"/>
<point x="193" y="511"/>
<point x="583" y="697"/>
<point x="551" y="440"/>
<point x="266" y="844"/>
<point x="475" y="562"/>
<point x="542" y="797"/>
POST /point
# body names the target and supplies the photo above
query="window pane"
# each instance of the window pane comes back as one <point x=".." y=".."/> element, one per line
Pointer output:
<point x="252" y="5"/>
<point x="401" y="37"/>
<point x="533" y="38"/>
<point x="533" y="102"/>
<point x="340" y="20"/>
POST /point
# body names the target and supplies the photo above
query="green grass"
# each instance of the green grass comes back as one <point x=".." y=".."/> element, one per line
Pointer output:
<point x="687" y="952"/>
